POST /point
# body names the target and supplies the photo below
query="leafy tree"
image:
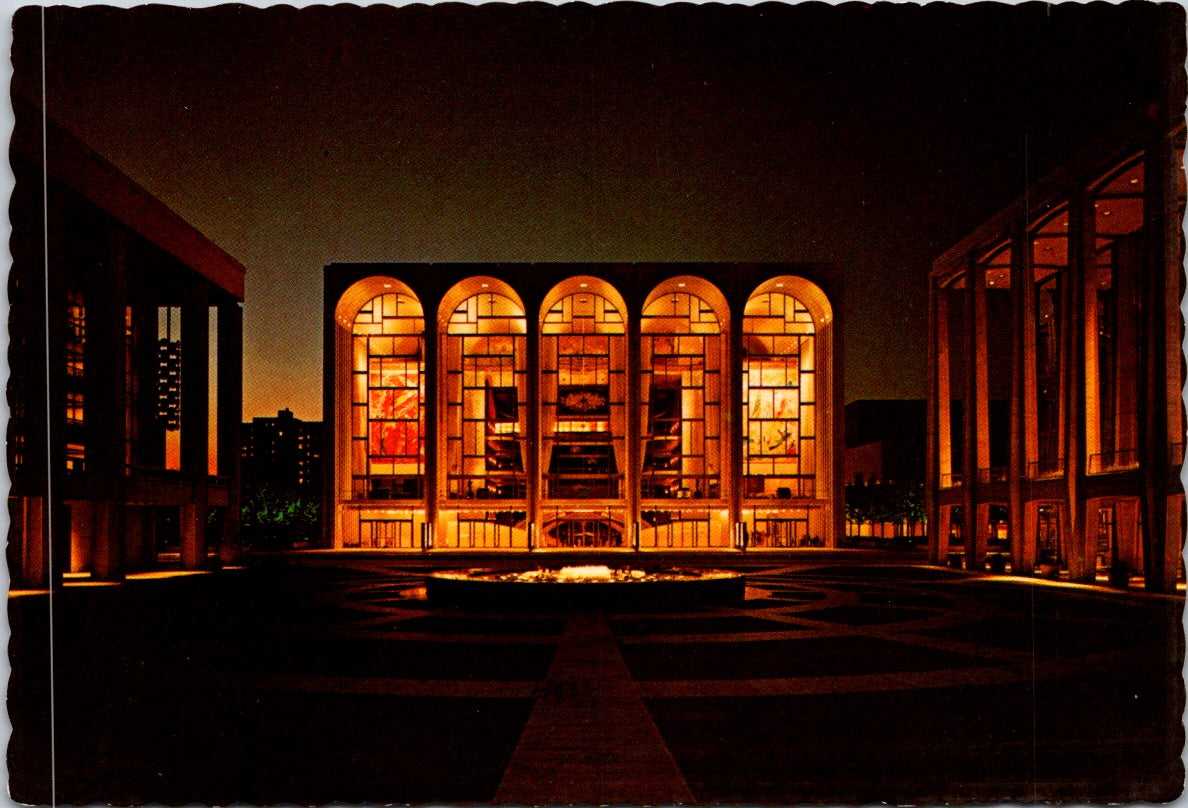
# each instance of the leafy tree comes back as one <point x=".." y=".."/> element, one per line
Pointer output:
<point x="271" y="517"/>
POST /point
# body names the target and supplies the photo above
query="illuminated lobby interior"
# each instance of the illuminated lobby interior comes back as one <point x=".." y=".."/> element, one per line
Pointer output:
<point x="536" y="407"/>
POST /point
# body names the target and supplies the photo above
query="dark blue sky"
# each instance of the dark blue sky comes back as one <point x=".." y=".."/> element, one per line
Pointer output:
<point x="872" y="137"/>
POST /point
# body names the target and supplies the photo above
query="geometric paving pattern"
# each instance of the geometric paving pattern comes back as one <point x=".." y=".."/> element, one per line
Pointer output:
<point x="341" y="683"/>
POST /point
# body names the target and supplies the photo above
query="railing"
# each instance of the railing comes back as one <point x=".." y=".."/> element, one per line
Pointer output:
<point x="780" y="486"/>
<point x="410" y="487"/>
<point x="998" y="474"/>
<point x="485" y="486"/>
<point x="1112" y="461"/>
<point x="669" y="485"/>
<point x="582" y="486"/>
<point x="1038" y="469"/>
<point x="1175" y="455"/>
<point x="950" y="480"/>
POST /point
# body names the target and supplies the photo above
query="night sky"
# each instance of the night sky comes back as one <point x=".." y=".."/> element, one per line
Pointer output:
<point x="872" y="137"/>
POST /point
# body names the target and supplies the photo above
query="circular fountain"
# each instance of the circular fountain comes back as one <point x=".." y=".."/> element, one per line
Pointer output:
<point x="581" y="587"/>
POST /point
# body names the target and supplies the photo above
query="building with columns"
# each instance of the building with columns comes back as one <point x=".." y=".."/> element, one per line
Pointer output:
<point x="125" y="354"/>
<point x="527" y="407"/>
<point x="1056" y="423"/>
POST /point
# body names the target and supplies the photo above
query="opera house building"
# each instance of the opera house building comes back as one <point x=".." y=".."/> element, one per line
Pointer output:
<point x="518" y="407"/>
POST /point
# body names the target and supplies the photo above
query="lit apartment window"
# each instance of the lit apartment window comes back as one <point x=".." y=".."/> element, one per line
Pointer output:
<point x="76" y="334"/>
<point x="76" y="456"/>
<point x="74" y="407"/>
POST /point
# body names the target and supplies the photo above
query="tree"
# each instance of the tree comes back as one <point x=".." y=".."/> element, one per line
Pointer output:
<point x="272" y="518"/>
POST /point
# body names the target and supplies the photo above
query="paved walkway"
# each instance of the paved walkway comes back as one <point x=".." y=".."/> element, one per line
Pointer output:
<point x="340" y="683"/>
<point x="590" y="738"/>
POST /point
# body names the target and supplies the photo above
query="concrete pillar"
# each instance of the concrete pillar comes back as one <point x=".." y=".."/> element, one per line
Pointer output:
<point x="195" y="327"/>
<point x="532" y="459"/>
<point x="1026" y="544"/>
<point x="940" y="528"/>
<point x="732" y="385"/>
<point x="981" y="369"/>
<point x="107" y="562"/>
<point x="1128" y="546"/>
<point x="1081" y="557"/>
<point x="434" y="442"/>
<point x="1021" y="562"/>
<point x="230" y="412"/>
<point x="82" y="535"/>
<point x="192" y="524"/>
<point x="1160" y="279"/>
<point x="982" y="536"/>
<point x="136" y="545"/>
<point x="35" y="548"/>
<point x="631" y="477"/>
<point x="932" y="438"/>
<point x="969" y="381"/>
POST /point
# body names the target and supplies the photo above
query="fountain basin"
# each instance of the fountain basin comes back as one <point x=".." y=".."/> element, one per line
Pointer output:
<point x="584" y="587"/>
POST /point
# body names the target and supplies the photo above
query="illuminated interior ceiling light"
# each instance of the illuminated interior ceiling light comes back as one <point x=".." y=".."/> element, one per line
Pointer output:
<point x="584" y="285"/>
<point x="1134" y="181"/>
<point x="485" y="285"/>
<point x="387" y="286"/>
<point x="1105" y="213"/>
<point x="681" y="285"/>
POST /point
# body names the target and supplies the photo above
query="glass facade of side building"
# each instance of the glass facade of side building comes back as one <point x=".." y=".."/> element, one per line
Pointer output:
<point x="1056" y="422"/>
<point x="528" y="407"/>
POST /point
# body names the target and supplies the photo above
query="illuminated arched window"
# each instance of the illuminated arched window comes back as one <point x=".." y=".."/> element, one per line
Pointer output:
<point x="583" y="352"/>
<point x="779" y="394"/>
<point x="387" y="398"/>
<point x="786" y="418"/>
<point x="681" y="357"/>
<point x="485" y="393"/>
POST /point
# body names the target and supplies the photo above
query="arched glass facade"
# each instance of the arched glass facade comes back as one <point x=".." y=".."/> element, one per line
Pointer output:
<point x="782" y="461"/>
<point x="682" y="416"/>
<point x="484" y="407"/>
<point x="577" y="419"/>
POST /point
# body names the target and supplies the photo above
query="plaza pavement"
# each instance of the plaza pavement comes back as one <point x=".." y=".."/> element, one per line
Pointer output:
<point x="334" y="680"/>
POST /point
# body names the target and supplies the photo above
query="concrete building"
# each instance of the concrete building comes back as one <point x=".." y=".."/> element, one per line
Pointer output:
<point x="125" y="346"/>
<point x="885" y="440"/>
<point x="1062" y="313"/>
<point x="631" y="406"/>
<point x="283" y="452"/>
